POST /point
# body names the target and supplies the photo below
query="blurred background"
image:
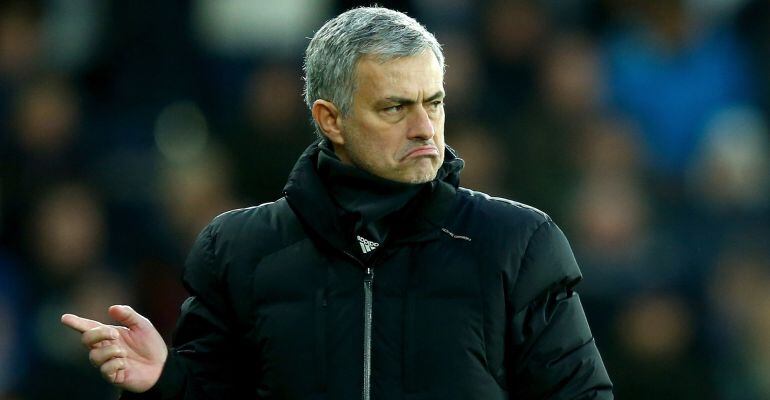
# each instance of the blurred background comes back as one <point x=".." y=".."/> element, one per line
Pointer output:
<point x="640" y="126"/>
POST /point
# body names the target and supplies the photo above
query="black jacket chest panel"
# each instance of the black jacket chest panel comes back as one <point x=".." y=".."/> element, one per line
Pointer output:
<point x="430" y="319"/>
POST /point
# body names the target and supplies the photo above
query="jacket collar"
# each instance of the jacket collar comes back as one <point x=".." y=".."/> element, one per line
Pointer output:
<point x="310" y="200"/>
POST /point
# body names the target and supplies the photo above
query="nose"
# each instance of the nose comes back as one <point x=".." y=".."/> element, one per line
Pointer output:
<point x="420" y="125"/>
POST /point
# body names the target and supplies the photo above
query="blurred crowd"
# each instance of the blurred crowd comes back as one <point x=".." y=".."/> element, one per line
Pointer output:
<point x="640" y="126"/>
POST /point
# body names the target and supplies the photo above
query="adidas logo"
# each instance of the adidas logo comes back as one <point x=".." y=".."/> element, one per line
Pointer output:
<point x="366" y="245"/>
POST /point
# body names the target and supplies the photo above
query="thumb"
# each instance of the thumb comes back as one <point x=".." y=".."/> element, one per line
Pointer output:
<point x="127" y="317"/>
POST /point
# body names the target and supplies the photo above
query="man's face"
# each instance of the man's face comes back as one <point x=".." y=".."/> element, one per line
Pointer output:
<point x="395" y="128"/>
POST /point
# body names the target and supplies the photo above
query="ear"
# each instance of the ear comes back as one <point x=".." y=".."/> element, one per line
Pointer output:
<point x="329" y="120"/>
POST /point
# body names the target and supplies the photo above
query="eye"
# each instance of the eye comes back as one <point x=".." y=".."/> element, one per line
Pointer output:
<point x="394" y="109"/>
<point x="436" y="104"/>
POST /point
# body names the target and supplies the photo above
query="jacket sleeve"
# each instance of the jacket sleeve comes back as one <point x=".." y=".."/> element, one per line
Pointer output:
<point x="206" y="360"/>
<point x="552" y="354"/>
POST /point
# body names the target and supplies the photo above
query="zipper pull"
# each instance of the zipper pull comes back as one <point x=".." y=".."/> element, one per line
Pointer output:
<point x="369" y="274"/>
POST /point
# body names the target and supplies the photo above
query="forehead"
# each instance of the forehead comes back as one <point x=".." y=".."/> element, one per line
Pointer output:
<point x="403" y="76"/>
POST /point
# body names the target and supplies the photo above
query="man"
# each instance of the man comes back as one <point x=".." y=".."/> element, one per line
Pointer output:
<point x="375" y="276"/>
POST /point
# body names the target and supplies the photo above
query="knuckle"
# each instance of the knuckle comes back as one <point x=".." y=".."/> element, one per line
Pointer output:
<point x="93" y="358"/>
<point x="91" y="336"/>
<point x="109" y="369"/>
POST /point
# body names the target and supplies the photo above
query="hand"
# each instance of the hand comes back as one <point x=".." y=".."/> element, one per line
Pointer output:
<point x="130" y="356"/>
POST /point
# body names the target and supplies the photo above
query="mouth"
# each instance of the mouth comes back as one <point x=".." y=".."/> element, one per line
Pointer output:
<point x="422" y="151"/>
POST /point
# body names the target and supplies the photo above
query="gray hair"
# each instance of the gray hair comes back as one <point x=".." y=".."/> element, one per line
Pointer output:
<point x="335" y="49"/>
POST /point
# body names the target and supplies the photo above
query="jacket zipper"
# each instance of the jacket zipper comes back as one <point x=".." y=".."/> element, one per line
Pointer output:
<point x="368" y="281"/>
<point x="366" y="389"/>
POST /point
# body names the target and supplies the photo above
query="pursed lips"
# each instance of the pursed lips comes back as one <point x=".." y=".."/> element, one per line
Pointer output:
<point x="424" y="150"/>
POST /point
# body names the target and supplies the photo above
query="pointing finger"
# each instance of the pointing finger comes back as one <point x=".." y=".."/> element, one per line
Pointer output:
<point x="79" y="324"/>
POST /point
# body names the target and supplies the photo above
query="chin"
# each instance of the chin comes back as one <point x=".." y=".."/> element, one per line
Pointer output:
<point x="423" y="177"/>
<point x="424" y="171"/>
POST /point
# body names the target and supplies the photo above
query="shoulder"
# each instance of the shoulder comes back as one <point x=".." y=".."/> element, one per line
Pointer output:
<point x="498" y="217"/>
<point x="500" y="206"/>
<point x="254" y="215"/>
<point x="245" y="233"/>
<point x="264" y="226"/>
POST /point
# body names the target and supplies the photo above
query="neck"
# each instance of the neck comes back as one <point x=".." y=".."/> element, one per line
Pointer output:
<point x="367" y="200"/>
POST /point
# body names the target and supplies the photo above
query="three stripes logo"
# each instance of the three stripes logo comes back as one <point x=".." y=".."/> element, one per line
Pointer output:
<point x="366" y="245"/>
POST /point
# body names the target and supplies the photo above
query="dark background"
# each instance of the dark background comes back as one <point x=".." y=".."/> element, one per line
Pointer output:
<point x="640" y="126"/>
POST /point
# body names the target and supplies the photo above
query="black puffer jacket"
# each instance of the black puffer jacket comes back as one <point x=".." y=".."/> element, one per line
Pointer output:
<point x="470" y="298"/>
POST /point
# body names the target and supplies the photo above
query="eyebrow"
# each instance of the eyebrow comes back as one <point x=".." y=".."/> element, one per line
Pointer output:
<point x="405" y="101"/>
